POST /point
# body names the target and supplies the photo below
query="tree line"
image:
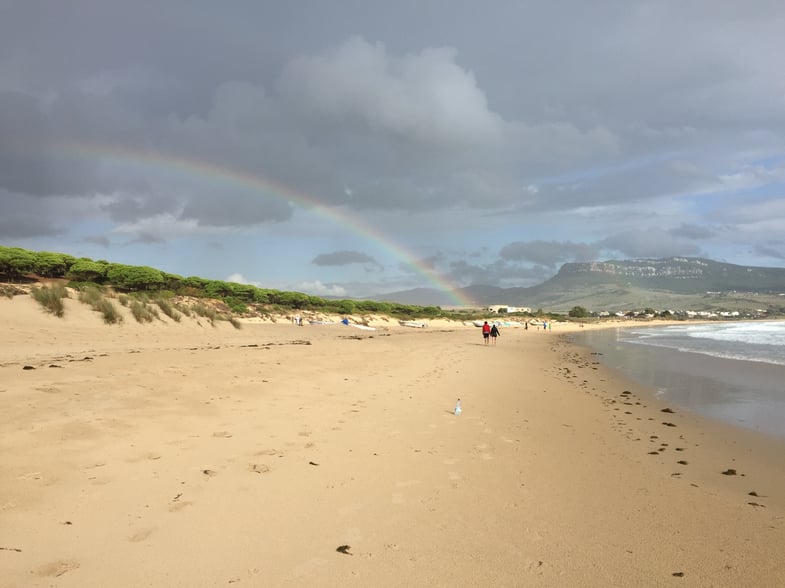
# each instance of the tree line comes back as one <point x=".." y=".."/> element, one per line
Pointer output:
<point x="17" y="264"/>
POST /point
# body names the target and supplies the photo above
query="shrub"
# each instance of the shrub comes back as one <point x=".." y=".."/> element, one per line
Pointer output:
<point x="124" y="299"/>
<point x="142" y="313"/>
<point x="91" y="295"/>
<point x="205" y="311"/>
<point x="94" y="296"/>
<point x="168" y="309"/>
<point x="236" y="305"/>
<point x="109" y="311"/>
<point x="51" y="298"/>
<point x="235" y="322"/>
<point x="578" y="312"/>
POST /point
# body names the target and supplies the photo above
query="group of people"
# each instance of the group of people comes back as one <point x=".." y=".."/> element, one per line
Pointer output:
<point x="490" y="333"/>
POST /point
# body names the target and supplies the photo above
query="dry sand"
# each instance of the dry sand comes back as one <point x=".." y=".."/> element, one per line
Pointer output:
<point x="191" y="455"/>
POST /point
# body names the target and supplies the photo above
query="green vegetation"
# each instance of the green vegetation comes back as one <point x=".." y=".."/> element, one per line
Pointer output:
<point x="51" y="298"/>
<point x="95" y="298"/>
<point x="145" y="289"/>
<point x="677" y="284"/>
<point x="205" y="311"/>
<point x="142" y="312"/>
<point x="168" y="309"/>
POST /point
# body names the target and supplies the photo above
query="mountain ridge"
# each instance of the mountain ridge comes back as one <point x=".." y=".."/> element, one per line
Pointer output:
<point x="690" y="283"/>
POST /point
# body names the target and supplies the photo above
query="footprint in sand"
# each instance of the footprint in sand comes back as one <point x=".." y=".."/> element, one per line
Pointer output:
<point x="269" y="452"/>
<point x="223" y="434"/>
<point x="532" y="534"/>
<point x="258" y="468"/>
<point x="56" y="569"/>
<point x="142" y="534"/>
<point x="535" y="567"/>
<point x="178" y="506"/>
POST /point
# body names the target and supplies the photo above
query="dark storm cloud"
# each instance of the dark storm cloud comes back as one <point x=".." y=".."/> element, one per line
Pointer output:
<point x="649" y="243"/>
<point x="773" y="252"/>
<point x="23" y="217"/>
<point x="687" y="231"/>
<point x="548" y="253"/>
<point x="499" y="272"/>
<point x="343" y="258"/>
<point x="194" y="118"/>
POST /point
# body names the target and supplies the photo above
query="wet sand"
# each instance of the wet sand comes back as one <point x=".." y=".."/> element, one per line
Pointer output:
<point x="744" y="393"/>
<point x="192" y="455"/>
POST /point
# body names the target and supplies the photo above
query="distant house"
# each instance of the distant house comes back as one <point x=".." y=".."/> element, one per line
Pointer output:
<point x="504" y="308"/>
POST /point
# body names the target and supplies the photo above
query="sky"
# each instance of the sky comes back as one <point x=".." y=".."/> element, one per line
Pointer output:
<point x="356" y="147"/>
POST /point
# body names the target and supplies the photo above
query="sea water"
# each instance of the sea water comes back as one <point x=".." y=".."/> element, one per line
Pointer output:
<point x="731" y="371"/>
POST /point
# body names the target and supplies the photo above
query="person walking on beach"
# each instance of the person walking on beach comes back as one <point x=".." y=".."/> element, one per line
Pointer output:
<point x="494" y="333"/>
<point x="486" y="332"/>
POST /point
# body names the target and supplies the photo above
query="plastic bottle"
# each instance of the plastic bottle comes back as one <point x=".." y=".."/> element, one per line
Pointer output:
<point x="458" y="410"/>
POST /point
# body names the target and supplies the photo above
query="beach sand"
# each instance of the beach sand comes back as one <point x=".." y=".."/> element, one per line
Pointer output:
<point x="195" y="455"/>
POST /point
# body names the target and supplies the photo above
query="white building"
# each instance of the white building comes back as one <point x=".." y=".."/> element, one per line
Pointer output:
<point x="504" y="308"/>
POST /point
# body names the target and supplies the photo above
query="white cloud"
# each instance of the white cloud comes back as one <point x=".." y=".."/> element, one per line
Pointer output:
<point x="425" y="97"/>
<point x="318" y="288"/>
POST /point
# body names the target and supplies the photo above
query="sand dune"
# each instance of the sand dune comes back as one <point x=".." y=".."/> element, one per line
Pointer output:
<point x="195" y="455"/>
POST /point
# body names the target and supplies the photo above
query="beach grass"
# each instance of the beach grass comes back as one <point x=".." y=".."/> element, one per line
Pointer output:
<point x="168" y="309"/>
<point x="143" y="312"/>
<point x="97" y="300"/>
<point x="51" y="298"/>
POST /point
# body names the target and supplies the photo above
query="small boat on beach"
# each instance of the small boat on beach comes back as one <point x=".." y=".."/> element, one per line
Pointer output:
<point x="413" y="324"/>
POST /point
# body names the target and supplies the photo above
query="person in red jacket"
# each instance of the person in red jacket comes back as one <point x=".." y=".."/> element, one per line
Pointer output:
<point x="486" y="332"/>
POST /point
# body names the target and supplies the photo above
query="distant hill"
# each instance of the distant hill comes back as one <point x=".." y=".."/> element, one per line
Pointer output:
<point x="683" y="283"/>
<point x="432" y="297"/>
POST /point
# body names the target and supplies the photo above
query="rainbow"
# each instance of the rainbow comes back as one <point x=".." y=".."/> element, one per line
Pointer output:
<point x="228" y="175"/>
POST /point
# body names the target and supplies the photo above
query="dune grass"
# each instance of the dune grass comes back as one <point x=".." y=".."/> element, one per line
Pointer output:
<point x="51" y="298"/>
<point x="97" y="300"/>
<point x="168" y="309"/>
<point x="143" y="312"/>
<point x="205" y="311"/>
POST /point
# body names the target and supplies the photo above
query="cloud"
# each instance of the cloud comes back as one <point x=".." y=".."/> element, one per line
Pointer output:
<point x="548" y="253"/>
<point x="498" y="272"/>
<point x="423" y="97"/>
<point x="280" y="123"/>
<point x="770" y="252"/>
<point x="688" y="231"/>
<point x="342" y="258"/>
<point x="24" y="217"/>
<point x="239" y="278"/>
<point x="318" y="288"/>
<point x="649" y="243"/>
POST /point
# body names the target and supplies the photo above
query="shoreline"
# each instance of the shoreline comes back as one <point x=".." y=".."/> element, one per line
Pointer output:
<point x="702" y="383"/>
<point x="194" y="455"/>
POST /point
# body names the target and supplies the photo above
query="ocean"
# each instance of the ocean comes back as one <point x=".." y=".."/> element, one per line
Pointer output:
<point x="729" y="371"/>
